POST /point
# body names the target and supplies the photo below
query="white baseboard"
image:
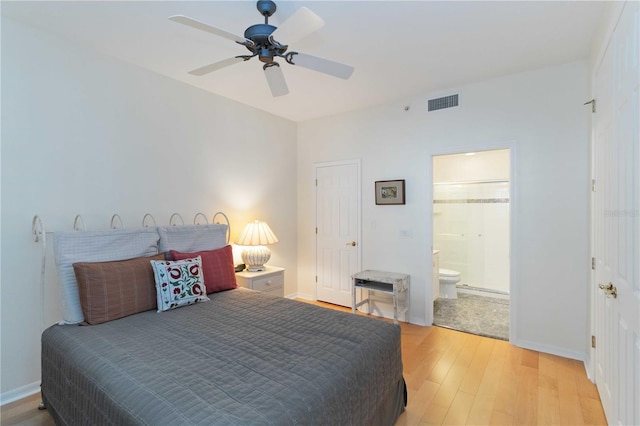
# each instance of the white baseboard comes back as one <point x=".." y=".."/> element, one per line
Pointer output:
<point x="300" y="296"/>
<point x="471" y="290"/>
<point x="553" y="350"/>
<point x="588" y="366"/>
<point x="19" y="393"/>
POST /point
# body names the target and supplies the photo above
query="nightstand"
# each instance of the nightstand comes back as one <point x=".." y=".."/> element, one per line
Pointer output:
<point x="269" y="281"/>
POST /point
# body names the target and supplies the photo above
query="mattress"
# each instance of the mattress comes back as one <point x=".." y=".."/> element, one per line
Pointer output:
<point x="241" y="358"/>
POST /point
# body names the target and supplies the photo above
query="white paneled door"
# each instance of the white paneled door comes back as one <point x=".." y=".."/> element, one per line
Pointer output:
<point x="337" y="230"/>
<point x="617" y="223"/>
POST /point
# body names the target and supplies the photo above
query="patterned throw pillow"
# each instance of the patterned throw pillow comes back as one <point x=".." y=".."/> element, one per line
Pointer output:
<point x="178" y="283"/>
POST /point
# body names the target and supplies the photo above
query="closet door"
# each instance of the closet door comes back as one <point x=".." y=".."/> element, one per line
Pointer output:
<point x="337" y="230"/>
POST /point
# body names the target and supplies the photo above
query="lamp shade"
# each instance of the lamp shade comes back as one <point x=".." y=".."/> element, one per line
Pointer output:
<point x="256" y="233"/>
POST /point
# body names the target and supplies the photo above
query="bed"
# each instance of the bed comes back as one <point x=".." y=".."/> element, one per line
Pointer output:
<point x="241" y="357"/>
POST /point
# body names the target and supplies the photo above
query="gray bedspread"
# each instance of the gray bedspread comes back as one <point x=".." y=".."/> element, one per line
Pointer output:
<point x="242" y="358"/>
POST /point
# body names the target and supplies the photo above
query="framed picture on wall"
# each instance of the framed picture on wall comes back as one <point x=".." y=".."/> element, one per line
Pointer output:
<point x="390" y="192"/>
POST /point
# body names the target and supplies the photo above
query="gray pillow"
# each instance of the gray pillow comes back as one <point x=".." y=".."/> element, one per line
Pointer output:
<point x="96" y="246"/>
<point x="192" y="238"/>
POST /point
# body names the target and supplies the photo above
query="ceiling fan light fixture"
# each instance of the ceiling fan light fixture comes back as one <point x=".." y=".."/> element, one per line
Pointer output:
<point x="266" y="55"/>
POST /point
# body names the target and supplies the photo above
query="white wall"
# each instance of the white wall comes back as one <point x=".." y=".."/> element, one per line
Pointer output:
<point x="541" y="117"/>
<point x="83" y="133"/>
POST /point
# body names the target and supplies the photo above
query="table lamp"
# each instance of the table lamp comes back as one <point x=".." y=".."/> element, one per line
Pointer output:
<point x="255" y="236"/>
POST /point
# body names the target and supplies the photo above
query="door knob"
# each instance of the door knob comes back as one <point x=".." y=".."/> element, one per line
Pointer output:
<point x="352" y="244"/>
<point x="610" y="289"/>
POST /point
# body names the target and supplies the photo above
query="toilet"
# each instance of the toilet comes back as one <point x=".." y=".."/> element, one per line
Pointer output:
<point x="448" y="281"/>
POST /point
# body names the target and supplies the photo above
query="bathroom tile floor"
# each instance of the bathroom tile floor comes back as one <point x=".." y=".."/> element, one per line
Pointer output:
<point x="484" y="316"/>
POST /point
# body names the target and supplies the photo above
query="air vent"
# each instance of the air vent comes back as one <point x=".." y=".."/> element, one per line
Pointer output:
<point x="442" y="103"/>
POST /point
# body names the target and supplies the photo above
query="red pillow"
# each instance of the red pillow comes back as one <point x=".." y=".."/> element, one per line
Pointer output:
<point x="217" y="268"/>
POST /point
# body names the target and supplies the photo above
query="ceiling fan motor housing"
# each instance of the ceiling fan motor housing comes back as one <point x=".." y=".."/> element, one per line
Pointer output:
<point x="259" y="34"/>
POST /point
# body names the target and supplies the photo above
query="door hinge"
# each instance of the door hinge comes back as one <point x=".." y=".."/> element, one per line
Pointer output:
<point x="593" y="263"/>
<point x="593" y="341"/>
<point x="593" y="104"/>
<point x="593" y="185"/>
<point x="316" y="182"/>
<point x="316" y="278"/>
<point x="316" y="230"/>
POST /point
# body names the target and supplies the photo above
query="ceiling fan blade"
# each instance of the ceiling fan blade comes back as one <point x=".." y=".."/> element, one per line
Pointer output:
<point x="299" y="25"/>
<point x="181" y="19"/>
<point x="275" y="78"/>
<point x="326" y="66"/>
<point x="215" y="66"/>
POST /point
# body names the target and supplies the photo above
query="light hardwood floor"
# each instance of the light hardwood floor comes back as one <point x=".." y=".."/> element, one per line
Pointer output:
<point x="456" y="378"/>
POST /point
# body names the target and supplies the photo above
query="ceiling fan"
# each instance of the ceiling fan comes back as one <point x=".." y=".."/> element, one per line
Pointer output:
<point x="263" y="41"/>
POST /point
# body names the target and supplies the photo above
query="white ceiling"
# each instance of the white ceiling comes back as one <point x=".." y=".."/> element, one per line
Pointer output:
<point x="398" y="48"/>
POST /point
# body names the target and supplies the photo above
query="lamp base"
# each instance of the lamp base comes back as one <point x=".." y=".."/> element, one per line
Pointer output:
<point x="256" y="268"/>
<point x="255" y="257"/>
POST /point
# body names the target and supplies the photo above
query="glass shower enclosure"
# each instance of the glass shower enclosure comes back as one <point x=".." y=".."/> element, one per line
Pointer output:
<point x="471" y="230"/>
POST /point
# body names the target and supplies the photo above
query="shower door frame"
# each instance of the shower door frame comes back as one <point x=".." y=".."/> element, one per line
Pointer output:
<point x="513" y="229"/>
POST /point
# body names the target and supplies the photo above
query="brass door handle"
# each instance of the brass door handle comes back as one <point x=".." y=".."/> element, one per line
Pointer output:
<point x="610" y="289"/>
<point x="352" y="244"/>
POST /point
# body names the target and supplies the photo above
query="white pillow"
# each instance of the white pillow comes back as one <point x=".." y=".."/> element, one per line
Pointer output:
<point x="96" y="246"/>
<point x="191" y="238"/>
<point x="179" y="282"/>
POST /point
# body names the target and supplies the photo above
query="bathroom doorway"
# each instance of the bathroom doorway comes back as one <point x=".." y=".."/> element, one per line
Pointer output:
<point x="471" y="227"/>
